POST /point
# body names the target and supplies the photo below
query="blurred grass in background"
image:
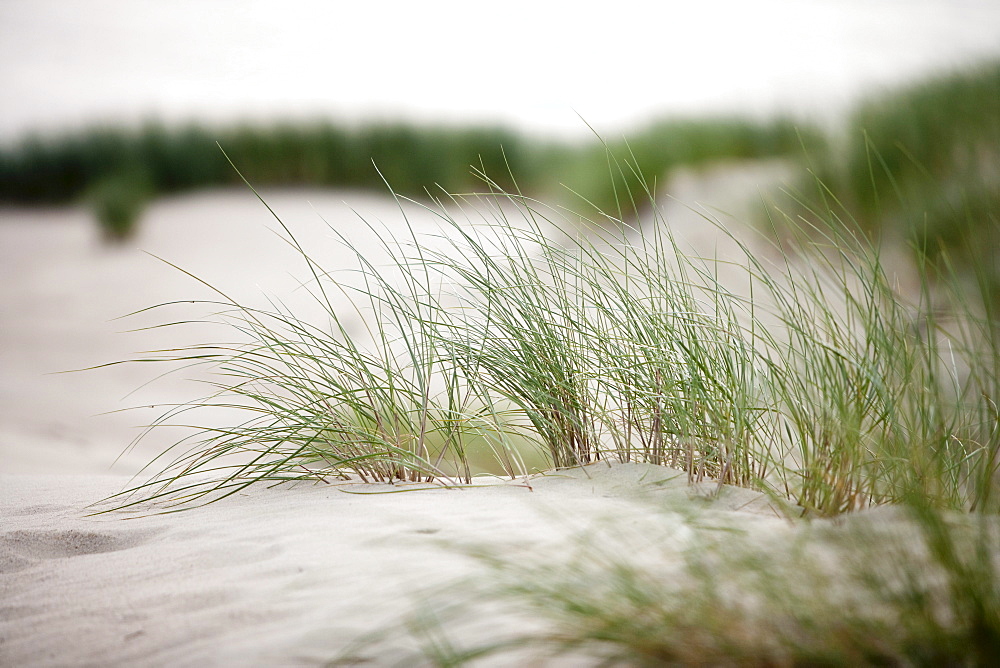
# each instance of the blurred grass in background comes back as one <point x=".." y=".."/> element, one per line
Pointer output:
<point x="412" y="159"/>
<point x="57" y="169"/>
<point x="921" y="166"/>
<point x="646" y="157"/>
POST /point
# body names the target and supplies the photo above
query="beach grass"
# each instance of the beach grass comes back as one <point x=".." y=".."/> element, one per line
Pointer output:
<point x="118" y="201"/>
<point x="587" y="337"/>
<point x="550" y="337"/>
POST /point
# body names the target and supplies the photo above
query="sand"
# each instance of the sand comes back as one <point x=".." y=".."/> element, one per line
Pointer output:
<point x="270" y="576"/>
<point x="289" y="576"/>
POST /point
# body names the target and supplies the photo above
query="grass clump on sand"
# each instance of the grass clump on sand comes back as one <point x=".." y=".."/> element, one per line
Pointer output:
<point x="520" y="326"/>
<point x="594" y="341"/>
<point x="516" y="326"/>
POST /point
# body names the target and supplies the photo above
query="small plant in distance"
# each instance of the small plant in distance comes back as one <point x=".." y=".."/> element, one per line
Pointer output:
<point x="118" y="201"/>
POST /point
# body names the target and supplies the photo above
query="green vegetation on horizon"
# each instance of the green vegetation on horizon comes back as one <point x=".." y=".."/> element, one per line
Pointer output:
<point x="413" y="159"/>
<point x="921" y="166"/>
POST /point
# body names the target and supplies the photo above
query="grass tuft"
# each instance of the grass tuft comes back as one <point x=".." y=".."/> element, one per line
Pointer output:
<point x="526" y="327"/>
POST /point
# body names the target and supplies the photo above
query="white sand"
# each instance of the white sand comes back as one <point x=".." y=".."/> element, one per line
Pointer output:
<point x="285" y="576"/>
<point x="275" y="577"/>
<point x="62" y="292"/>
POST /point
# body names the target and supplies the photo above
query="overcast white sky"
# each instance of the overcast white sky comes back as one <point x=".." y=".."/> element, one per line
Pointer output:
<point x="534" y="65"/>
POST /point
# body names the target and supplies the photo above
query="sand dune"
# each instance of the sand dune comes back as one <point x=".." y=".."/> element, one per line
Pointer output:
<point x="287" y="576"/>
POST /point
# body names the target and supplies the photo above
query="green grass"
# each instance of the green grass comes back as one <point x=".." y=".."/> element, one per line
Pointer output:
<point x="519" y="322"/>
<point x="518" y="328"/>
<point x="546" y="337"/>
<point x="57" y="168"/>
<point x="943" y="131"/>
<point x="650" y="154"/>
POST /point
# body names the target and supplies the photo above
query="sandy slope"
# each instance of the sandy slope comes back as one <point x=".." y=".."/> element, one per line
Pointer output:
<point x="285" y="576"/>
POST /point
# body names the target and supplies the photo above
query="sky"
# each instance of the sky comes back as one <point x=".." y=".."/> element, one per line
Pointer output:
<point x="537" y="66"/>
